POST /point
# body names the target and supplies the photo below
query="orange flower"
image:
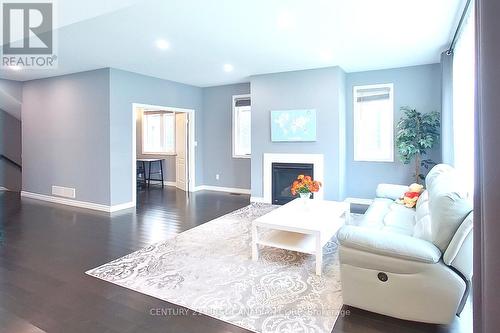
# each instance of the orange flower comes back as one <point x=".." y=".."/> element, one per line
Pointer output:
<point x="304" y="184"/>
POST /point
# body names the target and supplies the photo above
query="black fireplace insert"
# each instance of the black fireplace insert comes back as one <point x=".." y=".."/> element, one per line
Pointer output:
<point x="283" y="176"/>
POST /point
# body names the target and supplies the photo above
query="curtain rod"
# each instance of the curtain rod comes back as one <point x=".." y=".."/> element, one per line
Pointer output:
<point x="455" y="36"/>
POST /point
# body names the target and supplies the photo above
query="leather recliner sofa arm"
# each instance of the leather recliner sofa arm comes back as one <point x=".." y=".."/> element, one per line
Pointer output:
<point x="388" y="244"/>
<point x="459" y="251"/>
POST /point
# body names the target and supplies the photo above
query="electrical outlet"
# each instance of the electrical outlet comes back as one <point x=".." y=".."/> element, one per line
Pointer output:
<point x="217" y="177"/>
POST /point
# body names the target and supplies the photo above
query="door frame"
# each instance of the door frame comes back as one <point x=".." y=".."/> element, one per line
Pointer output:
<point x="186" y="152"/>
<point x="191" y="153"/>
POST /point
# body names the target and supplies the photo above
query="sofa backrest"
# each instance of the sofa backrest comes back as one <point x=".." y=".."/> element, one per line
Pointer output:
<point x="442" y="208"/>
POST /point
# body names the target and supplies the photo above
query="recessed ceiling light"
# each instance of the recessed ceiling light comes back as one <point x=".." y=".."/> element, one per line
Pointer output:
<point x="228" y="68"/>
<point x="285" y="20"/>
<point x="162" y="44"/>
<point x="15" y="68"/>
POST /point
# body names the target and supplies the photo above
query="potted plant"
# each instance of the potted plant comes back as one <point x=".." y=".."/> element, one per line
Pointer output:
<point x="416" y="134"/>
<point x="304" y="186"/>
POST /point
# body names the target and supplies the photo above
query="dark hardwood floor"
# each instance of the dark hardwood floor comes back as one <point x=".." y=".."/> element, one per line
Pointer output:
<point x="45" y="250"/>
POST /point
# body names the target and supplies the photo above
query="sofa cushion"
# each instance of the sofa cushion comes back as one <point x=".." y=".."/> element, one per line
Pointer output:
<point x="422" y="228"/>
<point x="448" y="211"/>
<point x="399" y="219"/>
<point x="388" y="244"/>
<point x="374" y="216"/>
<point x="444" y="179"/>
<point x="436" y="172"/>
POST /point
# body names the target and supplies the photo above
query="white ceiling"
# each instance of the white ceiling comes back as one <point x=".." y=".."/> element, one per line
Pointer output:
<point x="256" y="37"/>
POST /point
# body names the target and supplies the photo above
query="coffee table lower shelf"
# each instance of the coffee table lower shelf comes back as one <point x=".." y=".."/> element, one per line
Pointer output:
<point x="288" y="240"/>
<point x="293" y="241"/>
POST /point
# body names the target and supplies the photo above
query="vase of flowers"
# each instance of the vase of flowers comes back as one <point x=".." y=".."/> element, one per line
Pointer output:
<point x="305" y="186"/>
<point x="305" y="195"/>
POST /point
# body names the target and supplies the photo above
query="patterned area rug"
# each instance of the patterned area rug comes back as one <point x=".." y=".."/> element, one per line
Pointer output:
<point x="209" y="270"/>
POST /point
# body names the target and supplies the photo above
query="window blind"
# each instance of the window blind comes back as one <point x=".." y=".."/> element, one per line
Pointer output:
<point x="242" y="102"/>
<point x="373" y="94"/>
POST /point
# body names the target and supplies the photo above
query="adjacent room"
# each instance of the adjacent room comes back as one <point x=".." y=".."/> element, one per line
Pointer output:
<point x="229" y="166"/>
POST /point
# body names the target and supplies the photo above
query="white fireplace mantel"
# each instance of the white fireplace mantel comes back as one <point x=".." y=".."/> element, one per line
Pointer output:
<point x="316" y="160"/>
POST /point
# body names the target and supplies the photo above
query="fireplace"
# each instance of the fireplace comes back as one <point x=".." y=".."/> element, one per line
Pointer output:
<point x="283" y="175"/>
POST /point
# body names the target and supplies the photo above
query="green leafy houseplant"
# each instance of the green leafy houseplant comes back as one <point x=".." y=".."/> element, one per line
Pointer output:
<point x="416" y="134"/>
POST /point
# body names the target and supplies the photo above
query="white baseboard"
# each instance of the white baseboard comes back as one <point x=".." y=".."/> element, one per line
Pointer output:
<point x="122" y="206"/>
<point x="3" y="188"/>
<point x="77" y="203"/>
<point x="258" y="199"/>
<point x="222" y="189"/>
<point x="359" y="201"/>
<point x="170" y="183"/>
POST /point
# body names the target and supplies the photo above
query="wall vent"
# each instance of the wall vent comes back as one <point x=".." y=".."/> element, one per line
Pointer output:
<point x="66" y="192"/>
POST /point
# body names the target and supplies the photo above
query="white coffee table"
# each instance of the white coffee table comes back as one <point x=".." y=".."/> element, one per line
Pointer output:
<point x="302" y="225"/>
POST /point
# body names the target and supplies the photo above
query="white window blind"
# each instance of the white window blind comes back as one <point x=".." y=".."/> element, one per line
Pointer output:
<point x="242" y="126"/>
<point x="158" y="132"/>
<point x="374" y="123"/>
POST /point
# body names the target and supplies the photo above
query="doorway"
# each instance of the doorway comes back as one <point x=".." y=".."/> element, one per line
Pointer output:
<point x="164" y="147"/>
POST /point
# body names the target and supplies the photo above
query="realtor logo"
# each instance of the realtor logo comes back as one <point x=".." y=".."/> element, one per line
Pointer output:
<point x="28" y="35"/>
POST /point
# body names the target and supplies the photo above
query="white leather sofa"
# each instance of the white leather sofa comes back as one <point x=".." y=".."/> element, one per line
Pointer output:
<point x="413" y="264"/>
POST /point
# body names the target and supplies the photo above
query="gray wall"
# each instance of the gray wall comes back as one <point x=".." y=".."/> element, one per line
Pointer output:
<point x="127" y="88"/>
<point x="10" y="133"/>
<point x="217" y="138"/>
<point x="487" y="196"/>
<point x="319" y="89"/>
<point x="417" y="86"/>
<point x="65" y="130"/>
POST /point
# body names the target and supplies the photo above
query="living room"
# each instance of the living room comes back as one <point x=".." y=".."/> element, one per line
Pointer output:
<point x="319" y="170"/>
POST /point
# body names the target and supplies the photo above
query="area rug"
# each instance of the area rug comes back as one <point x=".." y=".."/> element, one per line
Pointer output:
<point x="209" y="269"/>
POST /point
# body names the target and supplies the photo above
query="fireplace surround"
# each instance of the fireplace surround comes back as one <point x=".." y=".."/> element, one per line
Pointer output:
<point x="317" y="160"/>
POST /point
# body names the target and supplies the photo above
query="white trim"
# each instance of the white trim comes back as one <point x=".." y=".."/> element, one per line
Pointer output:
<point x="4" y="188"/>
<point x="235" y="97"/>
<point x="359" y="201"/>
<point x="356" y="154"/>
<point x="77" y="203"/>
<point x="170" y="183"/>
<point x="192" y="144"/>
<point x="257" y="199"/>
<point x="222" y="189"/>
<point x="317" y="160"/>
<point x="122" y="206"/>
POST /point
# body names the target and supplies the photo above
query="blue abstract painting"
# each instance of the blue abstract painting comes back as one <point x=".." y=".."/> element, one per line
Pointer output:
<point x="293" y="125"/>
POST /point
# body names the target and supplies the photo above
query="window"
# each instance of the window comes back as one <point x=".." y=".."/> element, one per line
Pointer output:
<point x="242" y="126"/>
<point x="464" y="101"/>
<point x="158" y="132"/>
<point x="374" y="123"/>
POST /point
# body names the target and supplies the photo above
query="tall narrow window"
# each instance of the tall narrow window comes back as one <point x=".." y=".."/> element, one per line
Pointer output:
<point x="463" y="102"/>
<point x="374" y="123"/>
<point x="158" y="132"/>
<point x="242" y="126"/>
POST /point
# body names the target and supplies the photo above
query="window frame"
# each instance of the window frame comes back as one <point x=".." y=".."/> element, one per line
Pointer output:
<point x="162" y="126"/>
<point x="234" y="125"/>
<point x="357" y="156"/>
